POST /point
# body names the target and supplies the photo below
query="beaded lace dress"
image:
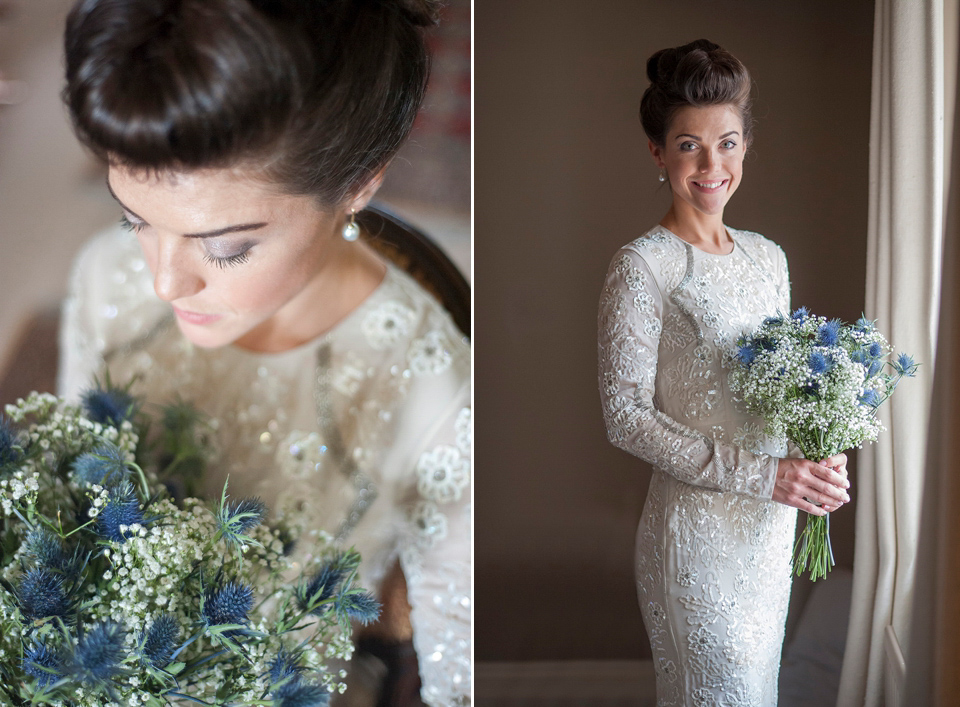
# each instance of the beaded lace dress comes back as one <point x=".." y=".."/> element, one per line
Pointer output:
<point x="364" y="433"/>
<point x="713" y="552"/>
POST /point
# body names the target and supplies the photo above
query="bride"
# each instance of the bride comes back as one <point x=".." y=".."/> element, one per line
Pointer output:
<point x="241" y="139"/>
<point x="713" y="558"/>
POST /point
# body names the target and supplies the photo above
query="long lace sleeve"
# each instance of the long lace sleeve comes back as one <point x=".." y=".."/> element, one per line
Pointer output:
<point x="437" y="558"/>
<point x="631" y="323"/>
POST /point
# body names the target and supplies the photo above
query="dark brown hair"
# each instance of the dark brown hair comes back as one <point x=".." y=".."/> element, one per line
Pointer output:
<point x="314" y="95"/>
<point x="696" y="74"/>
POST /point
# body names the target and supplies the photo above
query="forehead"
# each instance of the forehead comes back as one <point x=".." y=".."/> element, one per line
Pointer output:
<point x="706" y="121"/>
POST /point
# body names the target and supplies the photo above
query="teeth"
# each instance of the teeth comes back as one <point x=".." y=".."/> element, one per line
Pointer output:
<point x="710" y="185"/>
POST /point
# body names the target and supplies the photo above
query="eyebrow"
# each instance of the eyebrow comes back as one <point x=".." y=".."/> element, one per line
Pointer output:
<point x="697" y="137"/>
<point x="202" y="234"/>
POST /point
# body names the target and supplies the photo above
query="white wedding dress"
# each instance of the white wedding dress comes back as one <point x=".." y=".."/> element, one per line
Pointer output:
<point x="364" y="433"/>
<point x="713" y="558"/>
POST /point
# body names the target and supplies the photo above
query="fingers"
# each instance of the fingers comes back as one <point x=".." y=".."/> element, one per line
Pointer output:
<point x="832" y="476"/>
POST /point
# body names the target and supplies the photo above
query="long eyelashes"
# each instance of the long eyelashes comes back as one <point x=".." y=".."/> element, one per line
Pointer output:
<point x="218" y="261"/>
<point x="229" y="261"/>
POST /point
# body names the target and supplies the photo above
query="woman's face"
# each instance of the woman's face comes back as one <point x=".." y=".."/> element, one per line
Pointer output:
<point x="703" y="155"/>
<point x="237" y="260"/>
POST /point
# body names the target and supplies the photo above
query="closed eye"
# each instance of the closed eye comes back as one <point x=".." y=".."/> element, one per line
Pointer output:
<point x="129" y="224"/>
<point x="228" y="260"/>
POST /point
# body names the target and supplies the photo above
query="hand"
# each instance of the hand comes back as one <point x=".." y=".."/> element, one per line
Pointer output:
<point x="815" y="488"/>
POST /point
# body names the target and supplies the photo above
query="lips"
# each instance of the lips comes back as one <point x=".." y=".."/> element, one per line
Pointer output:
<point x="711" y="186"/>
<point x="196" y="317"/>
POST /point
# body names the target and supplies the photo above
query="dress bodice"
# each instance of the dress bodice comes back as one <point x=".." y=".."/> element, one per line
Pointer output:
<point x="364" y="432"/>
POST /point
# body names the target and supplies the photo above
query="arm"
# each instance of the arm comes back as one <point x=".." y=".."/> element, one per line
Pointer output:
<point x="436" y="558"/>
<point x="631" y="315"/>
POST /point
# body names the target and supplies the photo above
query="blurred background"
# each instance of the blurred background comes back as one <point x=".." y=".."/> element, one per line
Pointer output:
<point x="563" y="179"/>
<point x="53" y="197"/>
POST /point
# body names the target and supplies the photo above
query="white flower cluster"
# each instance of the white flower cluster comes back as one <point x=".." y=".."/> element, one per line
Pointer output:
<point x="814" y="381"/>
<point x="20" y="488"/>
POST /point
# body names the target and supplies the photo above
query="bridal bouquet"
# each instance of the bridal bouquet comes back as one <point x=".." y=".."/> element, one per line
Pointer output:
<point x="817" y="383"/>
<point x="111" y="593"/>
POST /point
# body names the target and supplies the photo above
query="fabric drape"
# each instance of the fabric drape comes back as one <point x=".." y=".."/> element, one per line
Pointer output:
<point x="934" y="649"/>
<point x="903" y="285"/>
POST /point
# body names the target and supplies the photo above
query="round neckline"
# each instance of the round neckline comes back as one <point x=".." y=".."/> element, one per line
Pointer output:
<point x="729" y="231"/>
<point x="320" y="339"/>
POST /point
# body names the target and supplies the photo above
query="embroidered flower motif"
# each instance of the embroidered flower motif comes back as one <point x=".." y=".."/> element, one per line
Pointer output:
<point x="611" y="383"/>
<point x="387" y="324"/>
<point x="652" y="328"/>
<point x="643" y="302"/>
<point x="687" y="576"/>
<point x="657" y="614"/>
<point x="702" y="697"/>
<point x="635" y="280"/>
<point x="430" y="524"/>
<point x="750" y="437"/>
<point x="464" y="429"/>
<point x="702" y="640"/>
<point x="443" y="474"/>
<point x="429" y="354"/>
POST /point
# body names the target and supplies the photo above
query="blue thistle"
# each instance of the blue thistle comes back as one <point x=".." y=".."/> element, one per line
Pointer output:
<point x="160" y="640"/>
<point x="875" y="350"/>
<point x="746" y="354"/>
<point x="860" y="356"/>
<point x="122" y="508"/>
<point x="905" y="365"/>
<point x="106" y="465"/>
<point x="48" y="551"/>
<point x="828" y="333"/>
<point x="41" y="593"/>
<point x="773" y="321"/>
<point x="300" y="694"/>
<point x="99" y="654"/>
<point x="108" y="405"/>
<point x="865" y="325"/>
<point x="870" y="398"/>
<point x="360" y="606"/>
<point x="819" y="363"/>
<point x="44" y="665"/>
<point x="286" y="666"/>
<point x="800" y="314"/>
<point x="227" y="604"/>
<point x="321" y="587"/>
<point x="10" y="450"/>
<point x="235" y="518"/>
<point x="874" y="369"/>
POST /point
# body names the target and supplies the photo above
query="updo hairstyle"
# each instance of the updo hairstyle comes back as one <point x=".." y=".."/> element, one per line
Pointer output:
<point x="697" y="74"/>
<point x="314" y="96"/>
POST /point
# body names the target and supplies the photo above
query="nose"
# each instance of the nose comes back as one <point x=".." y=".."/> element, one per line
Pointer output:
<point x="709" y="161"/>
<point x="173" y="276"/>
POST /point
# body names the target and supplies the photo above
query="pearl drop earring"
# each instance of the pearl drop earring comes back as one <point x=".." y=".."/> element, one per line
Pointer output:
<point x="351" y="231"/>
<point x="663" y="174"/>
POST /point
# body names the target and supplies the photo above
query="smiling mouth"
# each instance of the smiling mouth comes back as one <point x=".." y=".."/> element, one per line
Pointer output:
<point x="711" y="185"/>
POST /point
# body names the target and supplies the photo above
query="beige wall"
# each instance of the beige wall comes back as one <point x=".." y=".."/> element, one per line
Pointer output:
<point x="563" y="178"/>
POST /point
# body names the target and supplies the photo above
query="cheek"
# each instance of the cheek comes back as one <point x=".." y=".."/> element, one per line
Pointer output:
<point x="267" y="283"/>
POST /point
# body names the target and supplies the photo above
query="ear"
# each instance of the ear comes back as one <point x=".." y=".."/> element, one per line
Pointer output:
<point x="656" y="152"/>
<point x="363" y="197"/>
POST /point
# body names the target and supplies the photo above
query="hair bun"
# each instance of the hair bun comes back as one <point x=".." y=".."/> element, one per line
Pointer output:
<point x="662" y="66"/>
<point x="423" y="13"/>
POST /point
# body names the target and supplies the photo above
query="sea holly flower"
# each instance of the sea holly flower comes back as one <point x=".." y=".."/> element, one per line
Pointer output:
<point x="41" y="592"/>
<point x="299" y="694"/>
<point x="800" y="314"/>
<point x="870" y="398"/>
<point x="819" y="363"/>
<point x="227" y="604"/>
<point x="47" y="550"/>
<point x="121" y="511"/>
<point x="905" y="365"/>
<point x="236" y="518"/>
<point x="99" y="654"/>
<point x="828" y="332"/>
<point x="321" y="587"/>
<point x="746" y="354"/>
<point x="285" y="668"/>
<point x="106" y="465"/>
<point x="160" y="641"/>
<point x="43" y="664"/>
<point x="108" y="405"/>
<point x="360" y="606"/>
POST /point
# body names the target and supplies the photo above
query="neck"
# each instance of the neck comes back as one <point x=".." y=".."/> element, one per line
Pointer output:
<point x="704" y="231"/>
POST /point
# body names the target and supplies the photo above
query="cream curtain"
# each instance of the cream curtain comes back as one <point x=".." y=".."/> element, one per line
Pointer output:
<point x="934" y="650"/>
<point x="903" y="285"/>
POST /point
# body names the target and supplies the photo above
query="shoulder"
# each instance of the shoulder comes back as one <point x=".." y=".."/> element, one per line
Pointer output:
<point x="656" y="244"/>
<point x="758" y="245"/>
<point x="411" y="338"/>
<point x="112" y="289"/>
